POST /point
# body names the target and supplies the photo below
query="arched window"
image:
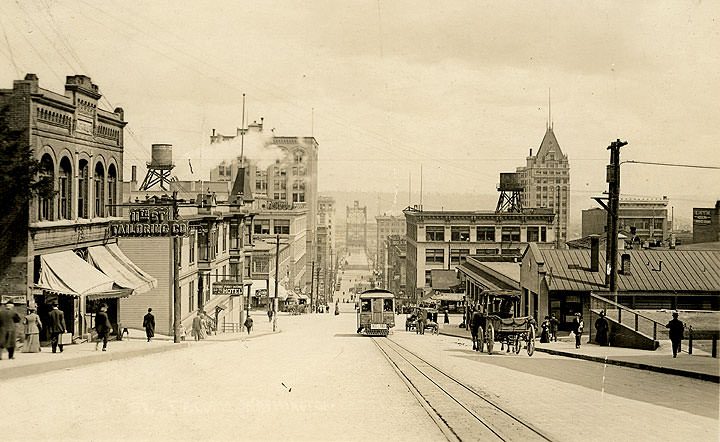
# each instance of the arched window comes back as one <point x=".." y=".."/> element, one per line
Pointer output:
<point x="112" y="190"/>
<point x="65" y="189"/>
<point x="99" y="190"/>
<point x="45" y="205"/>
<point x="82" y="194"/>
<point x="299" y="156"/>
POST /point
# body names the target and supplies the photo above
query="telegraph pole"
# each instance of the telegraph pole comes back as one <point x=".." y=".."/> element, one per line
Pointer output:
<point x="275" y="301"/>
<point x="177" y="244"/>
<point x="312" y="285"/>
<point x="613" y="180"/>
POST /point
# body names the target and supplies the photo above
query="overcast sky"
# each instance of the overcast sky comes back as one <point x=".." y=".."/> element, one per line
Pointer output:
<point x="459" y="87"/>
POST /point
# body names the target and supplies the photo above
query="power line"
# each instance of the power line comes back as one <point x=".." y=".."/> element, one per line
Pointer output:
<point x="653" y="163"/>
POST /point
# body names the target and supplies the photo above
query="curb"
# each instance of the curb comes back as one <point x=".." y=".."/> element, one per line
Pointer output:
<point x="638" y="365"/>
<point x="45" y="367"/>
<point x="33" y="369"/>
<point x="621" y="363"/>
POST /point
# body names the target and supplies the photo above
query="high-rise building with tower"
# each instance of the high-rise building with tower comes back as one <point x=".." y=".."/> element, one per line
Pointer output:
<point x="546" y="181"/>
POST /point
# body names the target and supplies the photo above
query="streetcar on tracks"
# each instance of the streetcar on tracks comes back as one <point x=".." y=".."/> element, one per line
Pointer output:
<point x="498" y="323"/>
<point x="376" y="312"/>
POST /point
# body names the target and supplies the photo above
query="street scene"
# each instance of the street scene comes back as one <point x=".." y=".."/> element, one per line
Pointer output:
<point x="369" y="220"/>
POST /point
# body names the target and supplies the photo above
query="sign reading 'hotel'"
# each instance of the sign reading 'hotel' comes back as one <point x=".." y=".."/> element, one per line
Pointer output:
<point x="149" y="221"/>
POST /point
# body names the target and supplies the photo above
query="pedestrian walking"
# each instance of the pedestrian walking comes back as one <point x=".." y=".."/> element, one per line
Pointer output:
<point x="248" y="323"/>
<point x="421" y="320"/>
<point x="577" y="328"/>
<point x="677" y="329"/>
<point x="545" y="333"/>
<point x="269" y="313"/>
<point x="56" y="327"/>
<point x="8" y="319"/>
<point x="446" y="320"/>
<point x="102" y="327"/>
<point x="149" y="324"/>
<point x="602" y="327"/>
<point x="475" y="320"/>
<point x="32" y="332"/>
<point x="197" y="326"/>
<point x="554" y="323"/>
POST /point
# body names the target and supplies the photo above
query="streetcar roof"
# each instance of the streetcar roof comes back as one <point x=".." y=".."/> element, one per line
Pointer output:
<point x="376" y="293"/>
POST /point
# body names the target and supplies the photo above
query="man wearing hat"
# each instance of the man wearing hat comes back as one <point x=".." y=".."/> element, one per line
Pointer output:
<point x="8" y="319"/>
<point x="103" y="327"/>
<point x="677" y="328"/>
<point x="56" y="327"/>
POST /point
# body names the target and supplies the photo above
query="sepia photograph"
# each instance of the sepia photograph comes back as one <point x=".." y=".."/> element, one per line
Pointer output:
<point x="359" y="220"/>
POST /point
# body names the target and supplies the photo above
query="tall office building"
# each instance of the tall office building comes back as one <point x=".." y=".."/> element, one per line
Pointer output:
<point x="292" y="179"/>
<point x="546" y="181"/>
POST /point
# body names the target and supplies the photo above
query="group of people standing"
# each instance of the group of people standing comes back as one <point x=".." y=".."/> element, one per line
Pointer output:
<point x="32" y="325"/>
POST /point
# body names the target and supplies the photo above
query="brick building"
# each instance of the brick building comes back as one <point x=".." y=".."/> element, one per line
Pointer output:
<point x="67" y="257"/>
<point x="443" y="239"/>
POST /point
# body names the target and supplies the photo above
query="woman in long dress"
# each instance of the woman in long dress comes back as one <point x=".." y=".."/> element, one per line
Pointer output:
<point x="32" y="332"/>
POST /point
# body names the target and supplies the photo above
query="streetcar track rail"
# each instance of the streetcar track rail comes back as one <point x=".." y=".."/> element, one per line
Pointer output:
<point x="460" y="412"/>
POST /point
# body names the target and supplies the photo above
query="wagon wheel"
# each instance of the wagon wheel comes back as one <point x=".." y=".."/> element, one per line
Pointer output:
<point x="490" y="337"/>
<point x="480" y="339"/>
<point x="518" y="344"/>
<point x="531" y="341"/>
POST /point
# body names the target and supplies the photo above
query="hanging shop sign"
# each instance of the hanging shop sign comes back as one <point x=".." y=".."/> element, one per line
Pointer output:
<point x="227" y="288"/>
<point x="149" y="221"/>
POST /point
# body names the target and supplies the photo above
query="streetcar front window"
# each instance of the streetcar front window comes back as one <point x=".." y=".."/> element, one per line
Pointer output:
<point x="387" y="305"/>
<point x="365" y="305"/>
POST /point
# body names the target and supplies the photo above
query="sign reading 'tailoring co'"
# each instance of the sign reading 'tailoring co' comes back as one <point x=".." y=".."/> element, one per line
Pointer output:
<point x="149" y="221"/>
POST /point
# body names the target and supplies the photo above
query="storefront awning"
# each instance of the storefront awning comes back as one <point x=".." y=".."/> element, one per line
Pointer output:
<point x="282" y="293"/>
<point x="67" y="273"/>
<point x="452" y="297"/>
<point x="257" y="285"/>
<point x="110" y="294"/>
<point x="112" y="262"/>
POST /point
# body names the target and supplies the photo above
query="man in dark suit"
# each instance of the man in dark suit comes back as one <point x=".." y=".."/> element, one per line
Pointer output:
<point x="8" y="319"/>
<point x="56" y="327"/>
<point x="103" y="327"/>
<point x="149" y="324"/>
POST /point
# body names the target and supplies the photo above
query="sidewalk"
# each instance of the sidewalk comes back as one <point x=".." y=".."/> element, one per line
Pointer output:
<point x="76" y="355"/>
<point x="699" y="365"/>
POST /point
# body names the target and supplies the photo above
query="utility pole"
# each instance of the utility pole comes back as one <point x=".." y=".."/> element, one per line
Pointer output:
<point x="613" y="180"/>
<point x="177" y="244"/>
<point x="312" y="285"/>
<point x="557" y="219"/>
<point x="275" y="300"/>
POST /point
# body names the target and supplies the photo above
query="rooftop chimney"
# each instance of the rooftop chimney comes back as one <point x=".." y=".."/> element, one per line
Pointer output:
<point x="625" y="264"/>
<point x="531" y="151"/>
<point x="594" y="253"/>
<point x="134" y="174"/>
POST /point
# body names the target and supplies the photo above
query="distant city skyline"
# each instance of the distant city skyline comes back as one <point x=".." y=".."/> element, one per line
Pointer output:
<point x="388" y="87"/>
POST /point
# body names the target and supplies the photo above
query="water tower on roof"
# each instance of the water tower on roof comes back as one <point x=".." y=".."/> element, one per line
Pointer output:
<point x="159" y="168"/>
<point x="510" y="188"/>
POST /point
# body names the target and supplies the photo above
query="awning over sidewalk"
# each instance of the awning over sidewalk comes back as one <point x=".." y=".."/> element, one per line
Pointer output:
<point x="258" y="284"/>
<point x="67" y="273"/>
<point x="282" y="293"/>
<point x="112" y="262"/>
<point x="452" y="297"/>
